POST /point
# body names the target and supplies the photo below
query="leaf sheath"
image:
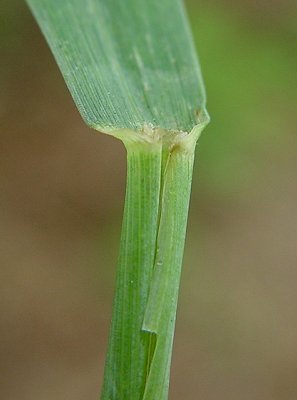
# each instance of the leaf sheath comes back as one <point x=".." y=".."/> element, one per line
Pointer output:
<point x="154" y="228"/>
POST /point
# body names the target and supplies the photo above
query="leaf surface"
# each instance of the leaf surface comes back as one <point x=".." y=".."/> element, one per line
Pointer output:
<point x="128" y="64"/>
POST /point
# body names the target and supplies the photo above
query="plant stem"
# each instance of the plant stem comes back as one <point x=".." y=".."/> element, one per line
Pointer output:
<point x="159" y="178"/>
<point x="125" y="372"/>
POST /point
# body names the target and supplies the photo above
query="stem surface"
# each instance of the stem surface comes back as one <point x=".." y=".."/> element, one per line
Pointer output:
<point x="159" y="178"/>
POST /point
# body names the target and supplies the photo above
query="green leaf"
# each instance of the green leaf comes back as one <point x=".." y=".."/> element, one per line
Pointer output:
<point x="127" y="63"/>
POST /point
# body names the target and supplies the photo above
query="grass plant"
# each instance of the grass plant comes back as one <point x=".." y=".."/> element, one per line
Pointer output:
<point x="132" y="70"/>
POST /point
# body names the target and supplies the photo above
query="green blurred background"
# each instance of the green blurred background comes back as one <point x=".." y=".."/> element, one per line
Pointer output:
<point x="61" y="201"/>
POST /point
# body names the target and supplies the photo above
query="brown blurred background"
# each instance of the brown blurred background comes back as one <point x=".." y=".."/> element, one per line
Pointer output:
<point x="61" y="201"/>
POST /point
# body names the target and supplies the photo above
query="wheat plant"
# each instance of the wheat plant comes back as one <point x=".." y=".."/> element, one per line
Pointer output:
<point x="132" y="70"/>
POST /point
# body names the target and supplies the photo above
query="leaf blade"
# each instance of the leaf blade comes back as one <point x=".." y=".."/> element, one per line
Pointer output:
<point x="127" y="64"/>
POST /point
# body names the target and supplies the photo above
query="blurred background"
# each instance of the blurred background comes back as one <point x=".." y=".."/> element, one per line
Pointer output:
<point x="61" y="202"/>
